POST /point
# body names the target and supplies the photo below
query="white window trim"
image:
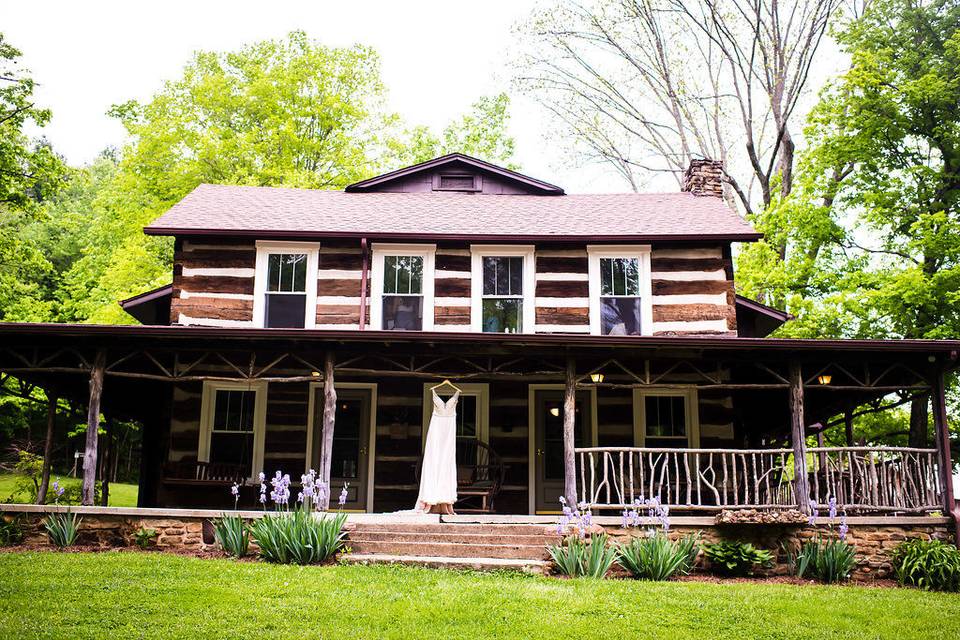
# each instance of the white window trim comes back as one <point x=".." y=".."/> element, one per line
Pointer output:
<point x="480" y="251"/>
<point x="207" y="407"/>
<point x="479" y="389"/>
<point x="372" y="445"/>
<point x="264" y="249"/>
<point x="691" y="409"/>
<point x="380" y="251"/>
<point x="642" y="253"/>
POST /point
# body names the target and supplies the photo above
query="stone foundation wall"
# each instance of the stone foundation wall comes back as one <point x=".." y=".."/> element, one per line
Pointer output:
<point x="874" y="539"/>
<point x="173" y="534"/>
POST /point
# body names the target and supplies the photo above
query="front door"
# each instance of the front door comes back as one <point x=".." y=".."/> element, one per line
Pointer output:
<point x="351" y="445"/>
<point x="548" y="450"/>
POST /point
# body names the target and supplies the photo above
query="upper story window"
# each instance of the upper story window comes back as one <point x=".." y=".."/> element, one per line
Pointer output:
<point x="402" y="287"/>
<point x="502" y="289"/>
<point x="285" y="291"/>
<point x="620" y="292"/>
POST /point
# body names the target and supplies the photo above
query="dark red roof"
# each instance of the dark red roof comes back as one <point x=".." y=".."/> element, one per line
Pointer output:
<point x="281" y="212"/>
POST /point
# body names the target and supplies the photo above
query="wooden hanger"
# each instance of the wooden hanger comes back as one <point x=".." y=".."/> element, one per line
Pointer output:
<point x="447" y="382"/>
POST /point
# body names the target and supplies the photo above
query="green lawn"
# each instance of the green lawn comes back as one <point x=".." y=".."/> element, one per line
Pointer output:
<point x="152" y="595"/>
<point x="121" y="495"/>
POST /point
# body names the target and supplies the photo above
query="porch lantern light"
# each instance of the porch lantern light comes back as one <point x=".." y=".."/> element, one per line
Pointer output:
<point x="824" y="378"/>
<point x="596" y="377"/>
<point x="555" y="412"/>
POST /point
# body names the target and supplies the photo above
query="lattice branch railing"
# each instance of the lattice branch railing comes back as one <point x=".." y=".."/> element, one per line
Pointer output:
<point x="861" y="478"/>
<point x="901" y="479"/>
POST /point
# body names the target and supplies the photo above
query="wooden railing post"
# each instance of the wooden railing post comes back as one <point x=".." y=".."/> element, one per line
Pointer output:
<point x="569" y="434"/>
<point x="801" y="482"/>
<point x="940" y="421"/>
<point x="93" y="426"/>
<point x="329" y="419"/>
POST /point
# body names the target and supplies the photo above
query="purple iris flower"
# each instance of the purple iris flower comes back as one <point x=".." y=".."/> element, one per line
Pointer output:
<point x="832" y="505"/>
<point x="843" y="528"/>
<point x="813" y="513"/>
<point x="343" y="495"/>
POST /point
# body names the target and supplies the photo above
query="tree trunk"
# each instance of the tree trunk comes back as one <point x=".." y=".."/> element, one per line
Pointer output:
<point x="569" y="434"/>
<point x="329" y="419"/>
<point x="919" y="422"/>
<point x="801" y="482"/>
<point x="48" y="447"/>
<point x="93" y="425"/>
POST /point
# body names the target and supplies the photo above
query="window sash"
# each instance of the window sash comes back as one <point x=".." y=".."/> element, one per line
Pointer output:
<point x="675" y="406"/>
<point x="506" y="279"/>
<point x="286" y="273"/>
<point x="403" y="275"/>
<point x="239" y="404"/>
<point x="620" y="277"/>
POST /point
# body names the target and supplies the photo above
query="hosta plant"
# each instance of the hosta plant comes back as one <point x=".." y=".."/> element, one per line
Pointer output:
<point x="736" y="558"/>
<point x="144" y="537"/>
<point x="928" y="564"/>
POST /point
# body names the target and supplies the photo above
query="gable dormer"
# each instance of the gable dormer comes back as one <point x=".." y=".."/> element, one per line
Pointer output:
<point x="457" y="173"/>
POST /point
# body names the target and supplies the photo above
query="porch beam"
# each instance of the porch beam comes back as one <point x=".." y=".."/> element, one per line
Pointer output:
<point x="942" y="426"/>
<point x="329" y="419"/>
<point x="93" y="426"/>
<point x="801" y="482"/>
<point x="569" y="434"/>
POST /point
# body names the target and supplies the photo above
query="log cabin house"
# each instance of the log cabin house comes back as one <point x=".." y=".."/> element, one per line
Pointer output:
<point x="601" y="347"/>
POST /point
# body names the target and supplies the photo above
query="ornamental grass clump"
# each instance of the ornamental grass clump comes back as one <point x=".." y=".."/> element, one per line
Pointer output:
<point x="735" y="558"/>
<point x="62" y="527"/>
<point x="298" y="536"/>
<point x="927" y="564"/>
<point x="831" y="560"/>
<point x="582" y="554"/>
<point x="655" y="556"/>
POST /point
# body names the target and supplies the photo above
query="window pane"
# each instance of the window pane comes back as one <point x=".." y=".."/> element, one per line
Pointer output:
<point x="285" y="310"/>
<point x="346" y="438"/>
<point x="287" y="272"/>
<point x="390" y="274"/>
<point x="619" y="276"/>
<point x="666" y="416"/>
<point x="553" y="436"/>
<point x="502" y="315"/>
<point x="467" y="416"/>
<point x="232" y="448"/>
<point x="403" y="274"/>
<point x="502" y="276"/>
<point x="233" y="410"/>
<point x="403" y="313"/>
<point x="620" y="316"/>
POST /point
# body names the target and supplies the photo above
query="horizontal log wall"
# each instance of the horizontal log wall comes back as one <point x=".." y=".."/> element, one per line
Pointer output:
<point x="693" y="290"/>
<point x="339" y="285"/>
<point x="562" y="291"/>
<point x="213" y="283"/>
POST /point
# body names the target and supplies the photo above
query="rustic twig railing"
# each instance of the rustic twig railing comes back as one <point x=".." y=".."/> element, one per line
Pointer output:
<point x="860" y="478"/>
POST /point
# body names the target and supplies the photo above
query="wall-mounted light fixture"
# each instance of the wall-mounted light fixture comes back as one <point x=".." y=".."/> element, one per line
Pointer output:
<point x="596" y="377"/>
<point x="824" y="378"/>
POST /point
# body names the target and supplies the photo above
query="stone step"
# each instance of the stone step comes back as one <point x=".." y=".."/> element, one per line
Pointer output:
<point x="448" y="550"/>
<point x="445" y="527"/>
<point x="453" y="537"/>
<point x="538" y="567"/>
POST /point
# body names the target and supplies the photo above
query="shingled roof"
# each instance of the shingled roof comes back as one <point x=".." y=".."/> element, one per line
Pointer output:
<point x="272" y="212"/>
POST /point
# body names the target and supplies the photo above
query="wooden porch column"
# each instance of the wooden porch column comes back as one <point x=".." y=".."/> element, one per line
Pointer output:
<point x="329" y="418"/>
<point x="107" y="458"/>
<point x="569" y="434"/>
<point x="801" y="482"/>
<point x="942" y="424"/>
<point x="93" y="426"/>
<point x="848" y="427"/>
<point x="48" y="446"/>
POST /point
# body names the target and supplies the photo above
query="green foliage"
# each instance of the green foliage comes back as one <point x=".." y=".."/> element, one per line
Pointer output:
<point x="827" y="561"/>
<point x="11" y="530"/>
<point x="736" y="558"/>
<point x="232" y="534"/>
<point x="144" y="537"/>
<point x="928" y="564"/>
<point x="581" y="558"/>
<point x="656" y="557"/>
<point x="62" y="528"/>
<point x="298" y="536"/>
<point x="28" y="469"/>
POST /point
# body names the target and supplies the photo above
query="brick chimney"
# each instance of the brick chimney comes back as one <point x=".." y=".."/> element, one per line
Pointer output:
<point x="704" y="178"/>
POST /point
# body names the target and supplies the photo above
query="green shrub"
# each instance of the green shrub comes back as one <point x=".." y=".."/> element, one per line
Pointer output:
<point x="233" y="535"/>
<point x="11" y="531"/>
<point x="657" y="557"/>
<point x="827" y="561"/>
<point x="581" y="558"/>
<point x="144" y="537"/>
<point x="736" y="558"/>
<point x="928" y="564"/>
<point x="298" y="537"/>
<point x="62" y="528"/>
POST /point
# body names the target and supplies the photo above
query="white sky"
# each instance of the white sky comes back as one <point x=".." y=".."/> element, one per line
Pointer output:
<point x="437" y="57"/>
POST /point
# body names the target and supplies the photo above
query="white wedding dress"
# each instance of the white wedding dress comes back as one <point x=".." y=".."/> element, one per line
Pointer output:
<point x="438" y="474"/>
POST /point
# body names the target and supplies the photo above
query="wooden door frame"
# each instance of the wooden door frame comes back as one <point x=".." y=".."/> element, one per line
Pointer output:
<point x="532" y="390"/>
<point x="372" y="442"/>
<point x="479" y="389"/>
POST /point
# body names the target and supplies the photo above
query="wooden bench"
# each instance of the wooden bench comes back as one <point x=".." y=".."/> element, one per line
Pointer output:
<point x="205" y="474"/>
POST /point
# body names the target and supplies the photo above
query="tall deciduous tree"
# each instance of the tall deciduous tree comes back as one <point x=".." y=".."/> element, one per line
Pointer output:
<point x="646" y="85"/>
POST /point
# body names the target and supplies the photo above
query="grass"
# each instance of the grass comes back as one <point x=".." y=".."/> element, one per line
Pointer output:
<point x="121" y="495"/>
<point x="153" y="595"/>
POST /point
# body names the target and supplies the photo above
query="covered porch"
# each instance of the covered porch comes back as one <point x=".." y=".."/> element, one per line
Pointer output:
<point x="703" y="424"/>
